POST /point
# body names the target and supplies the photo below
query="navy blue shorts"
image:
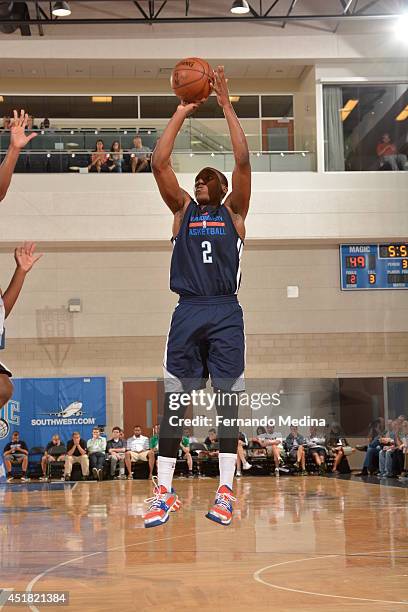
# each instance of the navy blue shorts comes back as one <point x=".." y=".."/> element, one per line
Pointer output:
<point x="206" y="338"/>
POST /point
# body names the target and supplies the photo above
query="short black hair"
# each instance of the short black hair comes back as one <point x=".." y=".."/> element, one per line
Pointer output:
<point x="116" y="428"/>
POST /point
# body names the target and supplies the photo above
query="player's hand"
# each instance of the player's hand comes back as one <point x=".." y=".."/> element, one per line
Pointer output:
<point x="189" y="108"/>
<point x="18" y="138"/>
<point x="220" y="87"/>
<point x="25" y="256"/>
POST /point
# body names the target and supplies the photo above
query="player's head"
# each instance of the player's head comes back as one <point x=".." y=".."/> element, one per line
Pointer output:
<point x="15" y="437"/>
<point x="210" y="186"/>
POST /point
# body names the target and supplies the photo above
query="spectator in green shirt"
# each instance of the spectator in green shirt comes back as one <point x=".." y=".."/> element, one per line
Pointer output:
<point x="186" y="440"/>
<point x="154" y="440"/>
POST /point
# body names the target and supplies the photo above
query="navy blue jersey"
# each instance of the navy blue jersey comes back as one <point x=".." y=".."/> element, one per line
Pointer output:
<point x="206" y="254"/>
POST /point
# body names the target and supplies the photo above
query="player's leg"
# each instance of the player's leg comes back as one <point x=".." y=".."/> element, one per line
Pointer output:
<point x="226" y="363"/>
<point x="164" y="499"/>
<point x="183" y="370"/>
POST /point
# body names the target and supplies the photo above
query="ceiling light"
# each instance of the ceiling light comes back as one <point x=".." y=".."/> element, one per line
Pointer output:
<point x="103" y="99"/>
<point x="234" y="98"/>
<point x="240" y="7"/>
<point x="403" y="114"/>
<point x="401" y="27"/>
<point x="1" y="99"/>
<point x="61" y="9"/>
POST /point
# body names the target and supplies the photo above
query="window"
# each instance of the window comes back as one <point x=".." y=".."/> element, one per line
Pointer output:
<point x="365" y="127"/>
<point x="277" y="106"/>
<point x="71" y="107"/>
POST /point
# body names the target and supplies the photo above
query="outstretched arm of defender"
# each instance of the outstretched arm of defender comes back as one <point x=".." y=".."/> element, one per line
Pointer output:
<point x="238" y="200"/>
<point x="173" y="195"/>
<point x="18" y="140"/>
<point x="25" y="258"/>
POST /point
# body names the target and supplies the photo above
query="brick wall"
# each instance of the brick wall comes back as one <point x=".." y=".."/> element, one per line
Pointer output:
<point x="268" y="355"/>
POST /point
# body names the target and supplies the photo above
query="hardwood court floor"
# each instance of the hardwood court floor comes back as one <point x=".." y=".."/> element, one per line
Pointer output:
<point x="306" y="544"/>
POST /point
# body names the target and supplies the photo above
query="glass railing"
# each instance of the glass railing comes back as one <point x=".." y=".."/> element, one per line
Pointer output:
<point x="31" y="161"/>
<point x="66" y="150"/>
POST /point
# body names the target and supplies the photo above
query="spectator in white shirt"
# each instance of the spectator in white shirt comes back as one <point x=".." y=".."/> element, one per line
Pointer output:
<point x="96" y="447"/>
<point x="138" y="450"/>
<point x="272" y="441"/>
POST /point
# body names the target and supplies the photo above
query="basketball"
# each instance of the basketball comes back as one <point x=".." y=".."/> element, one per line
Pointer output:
<point x="191" y="79"/>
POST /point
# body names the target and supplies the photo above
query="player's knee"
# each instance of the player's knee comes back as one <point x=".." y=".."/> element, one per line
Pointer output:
<point x="6" y="389"/>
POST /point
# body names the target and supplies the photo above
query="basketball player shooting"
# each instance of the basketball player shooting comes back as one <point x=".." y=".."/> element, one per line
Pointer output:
<point x="18" y="140"/>
<point x="206" y="336"/>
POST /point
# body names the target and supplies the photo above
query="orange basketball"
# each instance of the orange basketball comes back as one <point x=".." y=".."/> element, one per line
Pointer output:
<point x="191" y="79"/>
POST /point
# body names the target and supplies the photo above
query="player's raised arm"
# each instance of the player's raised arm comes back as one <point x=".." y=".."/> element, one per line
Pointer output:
<point x="18" y="140"/>
<point x="238" y="200"/>
<point x="170" y="190"/>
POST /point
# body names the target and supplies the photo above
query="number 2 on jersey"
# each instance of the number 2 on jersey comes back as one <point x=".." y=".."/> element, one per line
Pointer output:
<point x="206" y="246"/>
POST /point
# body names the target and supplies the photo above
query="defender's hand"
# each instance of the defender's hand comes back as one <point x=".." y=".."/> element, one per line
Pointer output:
<point x="18" y="138"/>
<point x="25" y="257"/>
<point x="189" y="108"/>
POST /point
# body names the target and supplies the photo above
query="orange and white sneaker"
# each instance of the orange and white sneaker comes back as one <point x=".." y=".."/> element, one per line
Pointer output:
<point x="160" y="505"/>
<point x="221" y="512"/>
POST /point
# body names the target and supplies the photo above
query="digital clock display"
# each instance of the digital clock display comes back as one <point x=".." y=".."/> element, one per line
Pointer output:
<point x="374" y="266"/>
<point x="392" y="251"/>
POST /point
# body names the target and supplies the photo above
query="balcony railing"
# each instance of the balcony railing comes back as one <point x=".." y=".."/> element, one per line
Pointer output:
<point x="68" y="150"/>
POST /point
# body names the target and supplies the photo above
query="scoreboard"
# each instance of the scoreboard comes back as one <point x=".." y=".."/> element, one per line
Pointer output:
<point x="374" y="266"/>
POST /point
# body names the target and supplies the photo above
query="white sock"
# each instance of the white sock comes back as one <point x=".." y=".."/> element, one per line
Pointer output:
<point x="121" y="471"/>
<point x="165" y="471"/>
<point x="227" y="468"/>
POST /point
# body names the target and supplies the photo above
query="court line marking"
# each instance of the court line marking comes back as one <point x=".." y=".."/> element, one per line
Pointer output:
<point x="31" y="584"/>
<point x="257" y="576"/>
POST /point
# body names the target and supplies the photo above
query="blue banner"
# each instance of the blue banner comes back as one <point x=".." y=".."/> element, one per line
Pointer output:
<point x="41" y="407"/>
